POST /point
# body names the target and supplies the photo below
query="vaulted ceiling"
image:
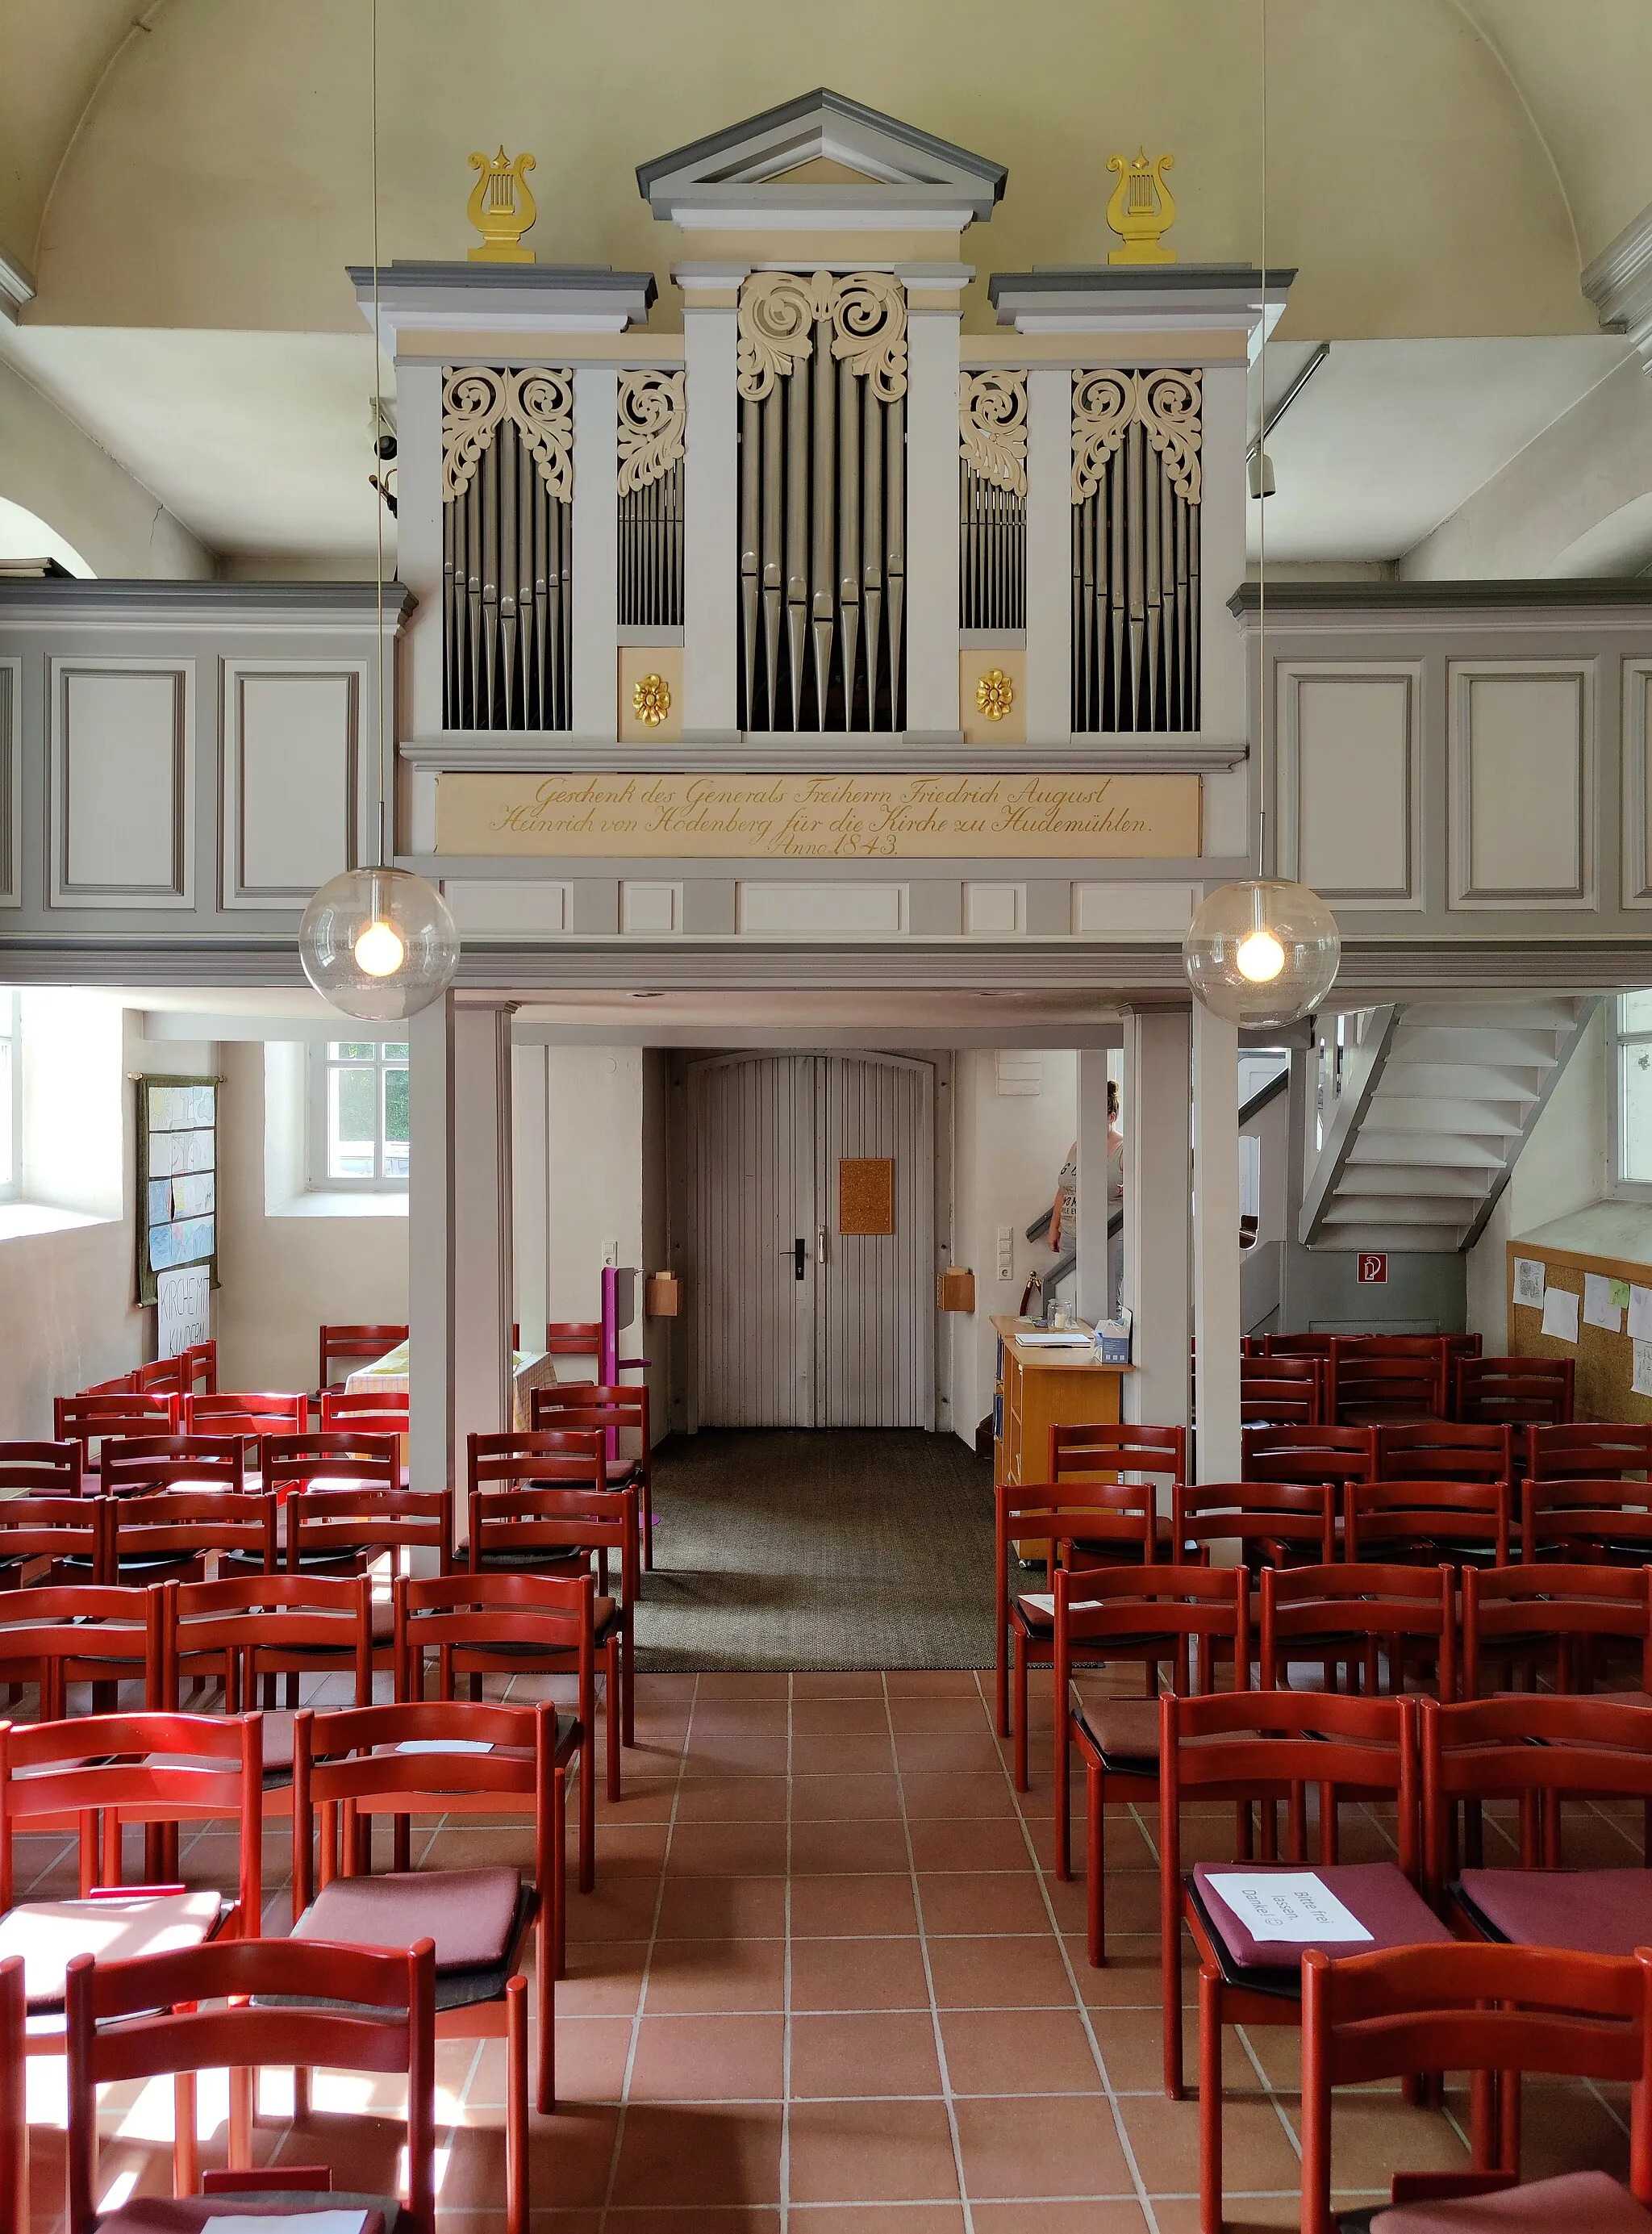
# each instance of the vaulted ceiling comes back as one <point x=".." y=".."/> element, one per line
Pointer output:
<point x="1436" y="169"/>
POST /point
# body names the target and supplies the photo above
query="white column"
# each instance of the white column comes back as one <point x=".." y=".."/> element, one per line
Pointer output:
<point x="710" y="496"/>
<point x="1216" y="1242"/>
<point x="1049" y="555"/>
<point x="931" y="510"/>
<point x="530" y="1209"/>
<point x="1158" y="1205"/>
<point x="459" y="1233"/>
<point x="595" y="552"/>
<point x="1094" y="1300"/>
<point x="430" y="1245"/>
<point x="417" y="528"/>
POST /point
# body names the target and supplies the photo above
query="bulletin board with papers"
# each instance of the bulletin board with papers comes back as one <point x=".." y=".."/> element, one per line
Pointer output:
<point x="1597" y="1310"/>
<point x="177" y="1178"/>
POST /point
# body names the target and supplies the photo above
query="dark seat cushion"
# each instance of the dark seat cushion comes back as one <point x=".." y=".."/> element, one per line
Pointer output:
<point x="471" y="1914"/>
<point x="1580" y="2202"/>
<point x="1589" y="1911"/>
<point x="1377" y="1894"/>
<point x="46" y="1933"/>
<point x="1123" y="1729"/>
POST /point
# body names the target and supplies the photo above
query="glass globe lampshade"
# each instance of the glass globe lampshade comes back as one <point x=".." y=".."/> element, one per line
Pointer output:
<point x="1262" y="952"/>
<point x="379" y="943"/>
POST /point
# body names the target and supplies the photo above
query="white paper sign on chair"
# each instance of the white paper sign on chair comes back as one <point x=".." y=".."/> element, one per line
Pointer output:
<point x="182" y="1308"/>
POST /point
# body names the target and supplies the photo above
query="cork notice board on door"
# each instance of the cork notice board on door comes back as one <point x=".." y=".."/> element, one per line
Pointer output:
<point x="865" y="1194"/>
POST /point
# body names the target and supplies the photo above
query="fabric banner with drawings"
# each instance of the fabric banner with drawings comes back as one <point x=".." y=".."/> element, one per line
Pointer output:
<point x="177" y="1178"/>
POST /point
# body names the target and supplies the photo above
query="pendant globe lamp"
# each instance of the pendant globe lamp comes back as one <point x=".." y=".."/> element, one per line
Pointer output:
<point x="379" y="943"/>
<point x="1262" y="952"/>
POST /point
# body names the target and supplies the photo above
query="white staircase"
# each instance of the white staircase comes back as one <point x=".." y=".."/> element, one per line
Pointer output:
<point x="1437" y="1098"/>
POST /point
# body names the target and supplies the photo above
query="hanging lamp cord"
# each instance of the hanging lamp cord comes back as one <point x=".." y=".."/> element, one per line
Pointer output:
<point x="378" y="426"/>
<point x="1262" y="486"/>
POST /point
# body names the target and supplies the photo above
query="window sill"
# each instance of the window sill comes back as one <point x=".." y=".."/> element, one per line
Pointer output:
<point x="19" y="1221"/>
<point x="340" y="1203"/>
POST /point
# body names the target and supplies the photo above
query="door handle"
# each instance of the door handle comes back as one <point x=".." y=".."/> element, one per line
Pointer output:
<point x="800" y="1253"/>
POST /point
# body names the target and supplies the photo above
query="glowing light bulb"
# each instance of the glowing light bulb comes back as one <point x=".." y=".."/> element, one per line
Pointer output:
<point x="380" y="951"/>
<point x="1260" y="957"/>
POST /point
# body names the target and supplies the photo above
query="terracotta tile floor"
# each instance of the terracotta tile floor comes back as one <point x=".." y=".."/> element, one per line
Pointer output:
<point x="827" y="1982"/>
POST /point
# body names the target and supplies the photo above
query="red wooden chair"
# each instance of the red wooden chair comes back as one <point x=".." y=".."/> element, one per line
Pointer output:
<point x="165" y="1376"/>
<point x="89" y="1776"/>
<point x="1177" y="1608"/>
<point x="509" y="1625"/>
<point x="1377" y="1379"/>
<point x="329" y="1461"/>
<point x="1588" y="1451"/>
<point x="1519" y="1390"/>
<point x="1117" y="1521"/>
<point x="574" y="1338"/>
<point x="617" y="1411"/>
<point x="1324" y="1454"/>
<point x="84" y="1633"/>
<point x="1161" y="1453"/>
<point x="251" y="1415"/>
<point x="40" y="1469"/>
<point x="1296" y="1345"/>
<point x="359" y="1345"/>
<point x="1343" y="1616"/>
<point x="168" y="1537"/>
<point x="1346" y="1747"/>
<point x="1280" y="1392"/>
<point x="420" y="1759"/>
<point x="342" y="1531"/>
<point x="1539" y="1750"/>
<point x="89" y="1419"/>
<point x="53" y="1539"/>
<point x="1445" y="1450"/>
<point x="14" y="2097"/>
<point x="1496" y="2011"/>
<point x="365" y="1412"/>
<point x="1555" y="1619"/>
<point x="1273" y="1524"/>
<point x="1567" y="1518"/>
<point x="1466" y="1522"/>
<point x="246" y="2003"/>
<point x="200" y="1367"/>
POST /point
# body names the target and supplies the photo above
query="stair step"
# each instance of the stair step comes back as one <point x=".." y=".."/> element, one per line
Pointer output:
<point x="1468" y="1080"/>
<point x="1411" y="1152"/>
<point x="1495" y="1044"/>
<point x="1419" y="1113"/>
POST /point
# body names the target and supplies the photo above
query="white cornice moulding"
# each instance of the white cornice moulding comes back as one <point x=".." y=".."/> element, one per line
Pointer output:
<point x="895" y="211"/>
<point x="17" y="288"/>
<point x="1619" y="284"/>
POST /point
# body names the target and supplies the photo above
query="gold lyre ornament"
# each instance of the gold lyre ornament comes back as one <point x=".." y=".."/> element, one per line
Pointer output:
<point x="1141" y="208"/>
<point x="651" y="699"/>
<point x="501" y="208"/>
<point x="995" y="694"/>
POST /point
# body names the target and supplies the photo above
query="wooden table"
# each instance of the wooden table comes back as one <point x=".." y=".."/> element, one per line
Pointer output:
<point x="1037" y="1389"/>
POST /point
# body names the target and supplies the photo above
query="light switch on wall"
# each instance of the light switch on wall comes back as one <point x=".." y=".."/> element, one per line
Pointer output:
<point x="1006" y="1252"/>
<point x="611" y="1253"/>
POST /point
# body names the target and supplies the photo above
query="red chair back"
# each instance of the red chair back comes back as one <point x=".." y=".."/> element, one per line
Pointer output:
<point x="167" y="1376"/>
<point x="1296" y="1345"/>
<point x="1518" y="1389"/>
<point x="266" y="1412"/>
<point x="365" y="1412"/>
<point x="1212" y="1604"/>
<point x="1270" y="1521"/>
<point x="1512" y="1612"/>
<point x="330" y="1461"/>
<point x="244" y="1626"/>
<point x="566" y="1457"/>
<point x="42" y="1469"/>
<point x="234" y="2004"/>
<point x="1374" y="1609"/>
<point x="1418" y="1450"/>
<point x="139" y="1464"/>
<point x="1372" y="1376"/>
<point x="72" y="1533"/>
<point x="1483" y="2008"/>
<point x="1279" y="1392"/>
<point x="1588" y="1451"/>
<point x="351" y="1526"/>
<point x="1429" y="1519"/>
<point x="81" y="1633"/>
<point x="176" y="1528"/>
<point x="475" y="1621"/>
<point x="1314" y="1454"/>
<point x="1103" y="1449"/>
<point x="359" y="1345"/>
<point x="1535" y="1749"/>
<point x="1575" y="1520"/>
<point x="200" y="1366"/>
<point x="88" y="1420"/>
<point x="574" y="1338"/>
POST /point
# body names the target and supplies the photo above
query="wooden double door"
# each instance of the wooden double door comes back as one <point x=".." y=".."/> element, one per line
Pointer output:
<point x="796" y="1323"/>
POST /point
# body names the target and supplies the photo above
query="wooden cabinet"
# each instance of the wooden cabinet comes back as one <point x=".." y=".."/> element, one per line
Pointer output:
<point x="1038" y="1389"/>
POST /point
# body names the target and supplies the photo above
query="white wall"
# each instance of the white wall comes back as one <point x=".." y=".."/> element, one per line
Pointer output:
<point x="1007" y="1152"/>
<point x="1561" y="1168"/>
<point x="595" y="1192"/>
<point x="653" y="1338"/>
<point x="53" y="469"/>
<point x="283" y="1275"/>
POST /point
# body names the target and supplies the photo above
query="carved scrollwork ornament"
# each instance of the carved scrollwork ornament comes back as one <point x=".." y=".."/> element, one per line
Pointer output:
<point x="1166" y="403"/>
<point x="992" y="428"/>
<point x="779" y="309"/>
<point x="538" y="401"/>
<point x="653" y="410"/>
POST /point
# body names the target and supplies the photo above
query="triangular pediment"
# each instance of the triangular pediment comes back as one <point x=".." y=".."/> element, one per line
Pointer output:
<point x="817" y="151"/>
